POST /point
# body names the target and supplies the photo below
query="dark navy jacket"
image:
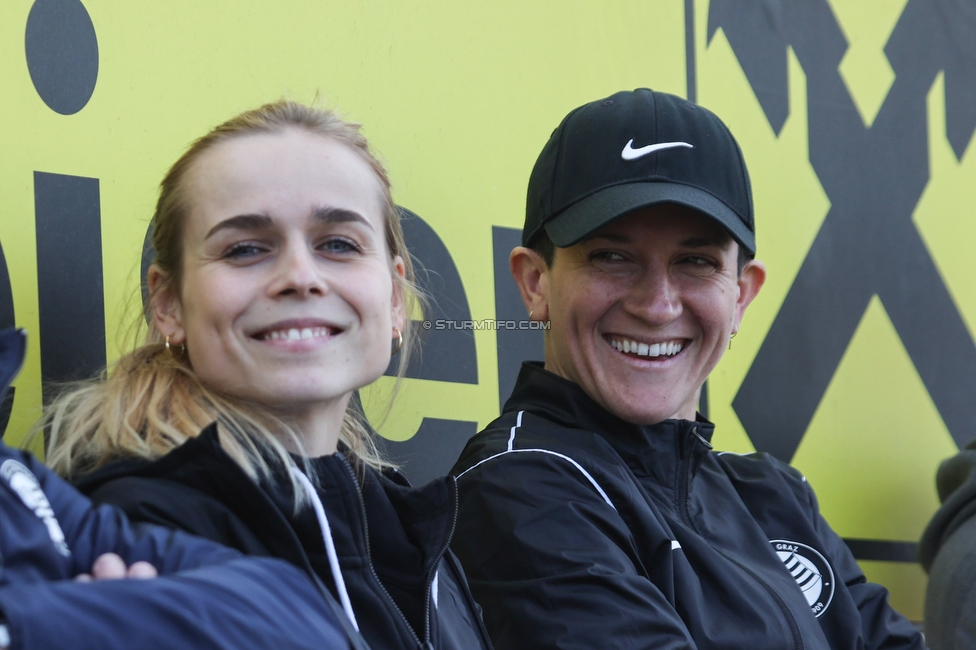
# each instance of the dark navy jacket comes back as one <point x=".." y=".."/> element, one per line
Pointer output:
<point x="580" y="530"/>
<point x="49" y="533"/>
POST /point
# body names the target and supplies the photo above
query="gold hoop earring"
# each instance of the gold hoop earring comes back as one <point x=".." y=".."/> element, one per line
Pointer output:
<point x="399" y="340"/>
<point x="170" y="349"/>
<point x="732" y="337"/>
<point x="531" y="311"/>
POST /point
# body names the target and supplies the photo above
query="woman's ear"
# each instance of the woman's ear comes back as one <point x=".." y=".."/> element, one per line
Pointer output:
<point x="751" y="280"/>
<point x="399" y="318"/>
<point x="167" y="312"/>
<point x="531" y="274"/>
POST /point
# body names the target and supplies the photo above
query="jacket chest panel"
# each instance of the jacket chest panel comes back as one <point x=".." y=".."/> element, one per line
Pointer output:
<point x="715" y="535"/>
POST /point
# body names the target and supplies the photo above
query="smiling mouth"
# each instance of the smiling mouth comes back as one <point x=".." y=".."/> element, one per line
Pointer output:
<point x="296" y="333"/>
<point x="651" y="350"/>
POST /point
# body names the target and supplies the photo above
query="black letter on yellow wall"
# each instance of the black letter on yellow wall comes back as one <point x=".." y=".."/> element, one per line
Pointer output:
<point x="69" y="276"/>
<point x="62" y="54"/>
<point x="62" y="57"/>
<point x="514" y="346"/>
<point x="445" y="355"/>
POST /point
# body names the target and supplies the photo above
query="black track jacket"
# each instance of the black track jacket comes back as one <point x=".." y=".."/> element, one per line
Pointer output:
<point x="391" y="539"/>
<point x="579" y="530"/>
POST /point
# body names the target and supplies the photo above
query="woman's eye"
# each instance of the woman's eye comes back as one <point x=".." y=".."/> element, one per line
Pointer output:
<point x="607" y="256"/>
<point x="699" y="261"/>
<point x="613" y="262"/>
<point x="339" y="245"/>
<point x="243" y="250"/>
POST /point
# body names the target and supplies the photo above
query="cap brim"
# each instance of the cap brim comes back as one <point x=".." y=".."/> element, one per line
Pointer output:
<point x="597" y="210"/>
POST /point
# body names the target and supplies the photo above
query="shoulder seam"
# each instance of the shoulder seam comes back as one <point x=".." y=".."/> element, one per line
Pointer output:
<point x="575" y="464"/>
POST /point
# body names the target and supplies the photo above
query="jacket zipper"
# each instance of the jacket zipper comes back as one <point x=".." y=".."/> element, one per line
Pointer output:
<point x="369" y="559"/>
<point x="437" y="560"/>
<point x="460" y="574"/>
<point x="684" y="480"/>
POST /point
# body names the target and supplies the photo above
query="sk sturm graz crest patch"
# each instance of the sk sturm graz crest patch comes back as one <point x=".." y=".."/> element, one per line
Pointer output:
<point x="811" y="571"/>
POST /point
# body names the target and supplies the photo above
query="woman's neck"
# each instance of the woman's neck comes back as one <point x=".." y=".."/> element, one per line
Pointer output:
<point x="318" y="426"/>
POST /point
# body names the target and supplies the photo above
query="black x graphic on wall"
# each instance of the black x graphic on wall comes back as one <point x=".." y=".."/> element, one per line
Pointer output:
<point x="874" y="177"/>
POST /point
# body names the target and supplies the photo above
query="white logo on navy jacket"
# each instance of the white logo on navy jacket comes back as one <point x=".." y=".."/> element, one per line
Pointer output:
<point x="26" y="486"/>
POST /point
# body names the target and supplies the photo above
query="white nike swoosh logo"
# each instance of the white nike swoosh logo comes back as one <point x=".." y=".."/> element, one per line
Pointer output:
<point x="629" y="153"/>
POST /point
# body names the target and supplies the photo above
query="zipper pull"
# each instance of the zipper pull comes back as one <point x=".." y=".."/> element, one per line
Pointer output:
<point x="700" y="437"/>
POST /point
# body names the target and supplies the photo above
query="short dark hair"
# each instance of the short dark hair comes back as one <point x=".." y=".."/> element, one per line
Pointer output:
<point x="543" y="245"/>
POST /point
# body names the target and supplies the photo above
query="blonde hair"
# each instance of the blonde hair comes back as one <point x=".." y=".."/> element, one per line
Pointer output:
<point x="151" y="400"/>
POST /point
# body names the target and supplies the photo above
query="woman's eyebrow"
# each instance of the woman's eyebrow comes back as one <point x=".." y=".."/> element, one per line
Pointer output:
<point x="611" y="237"/>
<point x="264" y="221"/>
<point x="242" y="222"/>
<point x="338" y="215"/>
<point x="702" y="242"/>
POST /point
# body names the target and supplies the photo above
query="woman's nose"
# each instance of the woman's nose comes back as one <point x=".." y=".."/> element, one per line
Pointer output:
<point x="298" y="273"/>
<point x="654" y="297"/>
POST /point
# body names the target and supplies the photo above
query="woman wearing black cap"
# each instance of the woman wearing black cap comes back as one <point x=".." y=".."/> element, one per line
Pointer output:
<point x="593" y="512"/>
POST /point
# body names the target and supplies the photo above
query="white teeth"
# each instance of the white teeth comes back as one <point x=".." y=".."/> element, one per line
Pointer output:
<point x="627" y="346"/>
<point x="295" y="334"/>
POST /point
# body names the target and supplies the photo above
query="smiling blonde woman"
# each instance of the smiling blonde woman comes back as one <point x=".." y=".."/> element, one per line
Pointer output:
<point x="280" y="288"/>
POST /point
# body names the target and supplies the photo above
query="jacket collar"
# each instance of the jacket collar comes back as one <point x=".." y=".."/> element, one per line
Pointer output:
<point x="649" y="450"/>
<point x="202" y="464"/>
<point x="426" y="514"/>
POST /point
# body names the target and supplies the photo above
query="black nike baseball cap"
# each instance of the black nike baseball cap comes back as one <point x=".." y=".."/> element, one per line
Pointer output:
<point x="633" y="150"/>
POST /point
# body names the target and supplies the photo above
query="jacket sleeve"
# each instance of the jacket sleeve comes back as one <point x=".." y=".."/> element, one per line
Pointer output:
<point x="553" y="564"/>
<point x="214" y="599"/>
<point x="242" y="603"/>
<point x="950" y="600"/>
<point x="947" y="551"/>
<point x="882" y="627"/>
